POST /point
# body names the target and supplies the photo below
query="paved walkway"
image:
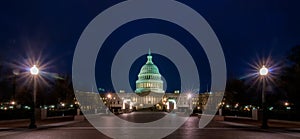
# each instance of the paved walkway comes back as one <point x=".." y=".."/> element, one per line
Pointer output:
<point x="272" y="123"/>
<point x="10" y="127"/>
<point x="231" y="128"/>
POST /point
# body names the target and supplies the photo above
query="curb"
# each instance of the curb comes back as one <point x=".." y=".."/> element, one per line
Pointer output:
<point x="269" y="120"/>
<point x="284" y="121"/>
<point x="12" y="121"/>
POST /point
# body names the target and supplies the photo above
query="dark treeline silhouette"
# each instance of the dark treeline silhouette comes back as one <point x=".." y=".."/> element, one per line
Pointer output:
<point x="6" y="88"/>
<point x="290" y="78"/>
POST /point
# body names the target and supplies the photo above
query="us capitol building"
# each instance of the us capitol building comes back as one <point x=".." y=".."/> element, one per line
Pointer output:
<point x="149" y="78"/>
<point x="148" y="95"/>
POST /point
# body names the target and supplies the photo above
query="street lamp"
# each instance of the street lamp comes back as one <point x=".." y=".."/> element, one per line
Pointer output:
<point x="109" y="96"/>
<point x="286" y="104"/>
<point x="189" y="96"/>
<point x="34" y="72"/>
<point x="263" y="73"/>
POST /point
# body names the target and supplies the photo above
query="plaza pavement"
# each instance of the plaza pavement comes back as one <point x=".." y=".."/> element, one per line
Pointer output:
<point x="232" y="127"/>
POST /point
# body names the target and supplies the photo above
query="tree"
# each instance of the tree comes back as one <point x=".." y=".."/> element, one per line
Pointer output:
<point x="5" y="82"/>
<point x="62" y="91"/>
<point x="290" y="79"/>
<point x="236" y="92"/>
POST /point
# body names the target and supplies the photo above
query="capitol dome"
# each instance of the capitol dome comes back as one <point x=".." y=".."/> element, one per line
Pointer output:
<point x="149" y="78"/>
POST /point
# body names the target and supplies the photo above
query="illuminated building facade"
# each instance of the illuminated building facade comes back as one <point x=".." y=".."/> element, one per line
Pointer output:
<point x="149" y="94"/>
<point x="149" y="78"/>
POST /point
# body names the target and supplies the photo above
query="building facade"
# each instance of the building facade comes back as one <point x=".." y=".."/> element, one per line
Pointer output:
<point x="149" y="94"/>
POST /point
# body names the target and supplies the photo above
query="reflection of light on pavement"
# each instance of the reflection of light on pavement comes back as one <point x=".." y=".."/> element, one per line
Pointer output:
<point x="107" y="124"/>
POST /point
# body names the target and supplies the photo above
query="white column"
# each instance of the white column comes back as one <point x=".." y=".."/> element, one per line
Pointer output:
<point x="123" y="105"/>
<point x="168" y="105"/>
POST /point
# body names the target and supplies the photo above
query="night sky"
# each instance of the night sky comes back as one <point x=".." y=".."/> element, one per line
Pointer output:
<point x="246" y="30"/>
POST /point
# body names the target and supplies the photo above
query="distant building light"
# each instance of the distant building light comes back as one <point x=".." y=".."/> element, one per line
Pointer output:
<point x="101" y="89"/>
<point x="271" y="108"/>
<point x="288" y="108"/>
<point x="236" y="105"/>
<point x="247" y="108"/>
<point x="165" y="99"/>
<point x="122" y="91"/>
<point x="286" y="104"/>
<point x="13" y="103"/>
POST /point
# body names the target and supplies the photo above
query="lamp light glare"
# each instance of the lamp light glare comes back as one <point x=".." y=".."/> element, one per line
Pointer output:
<point x="34" y="70"/>
<point x="263" y="71"/>
<point x="109" y="96"/>
<point x="189" y="96"/>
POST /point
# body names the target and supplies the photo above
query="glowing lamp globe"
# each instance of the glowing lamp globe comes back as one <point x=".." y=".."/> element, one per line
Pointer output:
<point x="34" y="70"/>
<point x="189" y="96"/>
<point x="109" y="95"/>
<point x="263" y="71"/>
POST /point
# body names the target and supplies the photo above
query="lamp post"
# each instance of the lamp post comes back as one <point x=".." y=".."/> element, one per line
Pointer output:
<point x="109" y="102"/>
<point x="189" y="99"/>
<point x="34" y="72"/>
<point x="263" y="73"/>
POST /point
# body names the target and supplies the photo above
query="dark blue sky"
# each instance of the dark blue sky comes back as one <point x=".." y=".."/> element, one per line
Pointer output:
<point x="245" y="29"/>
